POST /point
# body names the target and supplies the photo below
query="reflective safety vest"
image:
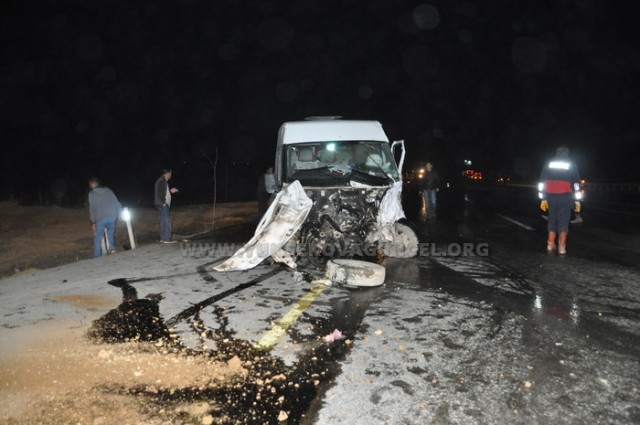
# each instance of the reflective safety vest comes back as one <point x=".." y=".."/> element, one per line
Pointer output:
<point x="559" y="176"/>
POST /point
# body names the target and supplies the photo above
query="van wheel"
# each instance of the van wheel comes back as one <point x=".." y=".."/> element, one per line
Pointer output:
<point x="404" y="244"/>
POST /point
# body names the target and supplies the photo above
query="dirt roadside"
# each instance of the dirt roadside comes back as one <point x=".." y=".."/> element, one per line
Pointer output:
<point x="63" y="378"/>
<point x="44" y="237"/>
<point x="56" y="374"/>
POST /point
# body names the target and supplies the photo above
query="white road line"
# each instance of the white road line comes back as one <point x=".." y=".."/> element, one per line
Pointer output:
<point x="524" y="226"/>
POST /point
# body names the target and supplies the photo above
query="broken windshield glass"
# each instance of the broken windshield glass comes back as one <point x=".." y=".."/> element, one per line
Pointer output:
<point x="337" y="163"/>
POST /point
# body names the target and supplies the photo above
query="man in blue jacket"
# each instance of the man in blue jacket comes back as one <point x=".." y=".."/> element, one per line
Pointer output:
<point x="104" y="210"/>
<point x="559" y="188"/>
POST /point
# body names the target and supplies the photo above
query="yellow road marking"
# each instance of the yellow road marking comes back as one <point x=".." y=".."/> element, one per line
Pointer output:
<point x="280" y="327"/>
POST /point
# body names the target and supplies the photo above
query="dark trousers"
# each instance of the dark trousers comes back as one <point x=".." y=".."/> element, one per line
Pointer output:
<point x="263" y="202"/>
<point x="560" y="206"/>
<point x="430" y="202"/>
<point x="164" y="213"/>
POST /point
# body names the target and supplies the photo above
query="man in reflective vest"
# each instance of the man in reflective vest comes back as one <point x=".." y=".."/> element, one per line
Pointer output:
<point x="558" y="189"/>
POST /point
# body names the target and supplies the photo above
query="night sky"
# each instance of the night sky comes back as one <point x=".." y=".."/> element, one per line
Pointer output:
<point x="120" y="89"/>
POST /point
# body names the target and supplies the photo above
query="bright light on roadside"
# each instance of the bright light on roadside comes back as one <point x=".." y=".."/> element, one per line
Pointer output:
<point x="126" y="214"/>
<point x="331" y="147"/>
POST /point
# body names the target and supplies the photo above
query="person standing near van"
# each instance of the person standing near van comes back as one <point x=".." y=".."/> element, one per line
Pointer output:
<point x="430" y="187"/>
<point x="162" y="202"/>
<point x="266" y="190"/>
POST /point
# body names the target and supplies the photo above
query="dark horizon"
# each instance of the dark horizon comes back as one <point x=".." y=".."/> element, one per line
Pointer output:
<point x="120" y="90"/>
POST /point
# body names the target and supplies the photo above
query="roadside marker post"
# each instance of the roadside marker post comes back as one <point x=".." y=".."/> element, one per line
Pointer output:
<point x="126" y="216"/>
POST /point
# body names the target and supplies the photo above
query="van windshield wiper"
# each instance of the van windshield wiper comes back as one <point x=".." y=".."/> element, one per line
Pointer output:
<point x="365" y="176"/>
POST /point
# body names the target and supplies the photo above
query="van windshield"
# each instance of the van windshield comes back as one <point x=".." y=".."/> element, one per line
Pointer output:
<point x="339" y="163"/>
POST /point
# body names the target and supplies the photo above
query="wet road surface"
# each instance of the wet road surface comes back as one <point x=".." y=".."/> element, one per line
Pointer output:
<point x="517" y="336"/>
<point x="503" y="334"/>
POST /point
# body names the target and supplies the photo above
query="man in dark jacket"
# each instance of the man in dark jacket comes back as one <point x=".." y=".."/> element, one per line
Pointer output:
<point x="162" y="201"/>
<point x="104" y="210"/>
<point x="430" y="186"/>
<point x="559" y="188"/>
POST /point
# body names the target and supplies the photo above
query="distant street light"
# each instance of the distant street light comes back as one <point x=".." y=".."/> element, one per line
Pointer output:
<point x="126" y="216"/>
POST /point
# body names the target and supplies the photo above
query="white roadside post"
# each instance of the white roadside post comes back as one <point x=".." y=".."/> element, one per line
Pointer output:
<point x="105" y="242"/>
<point x="126" y="216"/>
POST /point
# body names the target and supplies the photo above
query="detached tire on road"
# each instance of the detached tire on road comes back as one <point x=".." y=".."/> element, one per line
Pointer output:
<point x="355" y="273"/>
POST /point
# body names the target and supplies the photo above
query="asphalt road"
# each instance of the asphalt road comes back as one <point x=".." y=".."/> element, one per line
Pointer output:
<point x="516" y="336"/>
<point x="482" y="327"/>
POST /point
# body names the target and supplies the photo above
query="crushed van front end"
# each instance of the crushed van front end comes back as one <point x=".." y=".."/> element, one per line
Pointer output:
<point x="343" y="179"/>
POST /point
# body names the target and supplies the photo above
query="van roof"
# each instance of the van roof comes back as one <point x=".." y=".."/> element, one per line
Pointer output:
<point x="330" y="130"/>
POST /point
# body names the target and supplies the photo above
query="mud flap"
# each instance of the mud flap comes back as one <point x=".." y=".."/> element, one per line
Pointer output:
<point x="282" y="220"/>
